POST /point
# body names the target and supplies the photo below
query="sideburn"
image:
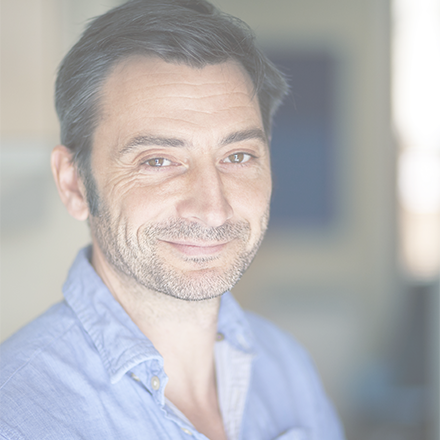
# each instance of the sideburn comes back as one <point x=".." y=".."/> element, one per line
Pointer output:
<point x="92" y="195"/>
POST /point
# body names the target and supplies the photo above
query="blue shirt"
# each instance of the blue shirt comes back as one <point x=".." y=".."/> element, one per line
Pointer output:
<point x="84" y="370"/>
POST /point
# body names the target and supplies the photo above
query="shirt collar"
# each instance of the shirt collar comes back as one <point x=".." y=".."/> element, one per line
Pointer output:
<point x="120" y="343"/>
<point x="118" y="340"/>
<point x="233" y="324"/>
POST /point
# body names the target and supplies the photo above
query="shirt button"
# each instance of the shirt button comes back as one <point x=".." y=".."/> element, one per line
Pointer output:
<point x="220" y="337"/>
<point x="133" y="376"/>
<point x="187" y="431"/>
<point x="155" y="383"/>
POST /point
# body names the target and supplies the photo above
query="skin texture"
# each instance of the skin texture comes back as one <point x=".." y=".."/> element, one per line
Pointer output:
<point x="182" y="169"/>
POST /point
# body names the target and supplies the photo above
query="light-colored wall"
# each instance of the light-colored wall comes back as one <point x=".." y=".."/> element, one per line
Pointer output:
<point x="335" y="290"/>
<point x="39" y="239"/>
<point x="30" y="50"/>
<point x="33" y="258"/>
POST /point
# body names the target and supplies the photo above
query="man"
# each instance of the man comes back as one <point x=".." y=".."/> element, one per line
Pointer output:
<point x="165" y="109"/>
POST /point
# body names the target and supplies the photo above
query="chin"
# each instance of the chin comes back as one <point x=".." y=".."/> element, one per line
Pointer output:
<point x="196" y="285"/>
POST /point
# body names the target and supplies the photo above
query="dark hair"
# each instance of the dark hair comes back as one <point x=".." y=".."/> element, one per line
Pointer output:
<point x="192" y="32"/>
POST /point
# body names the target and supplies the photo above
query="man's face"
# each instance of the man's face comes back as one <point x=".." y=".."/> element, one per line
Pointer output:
<point x="182" y="169"/>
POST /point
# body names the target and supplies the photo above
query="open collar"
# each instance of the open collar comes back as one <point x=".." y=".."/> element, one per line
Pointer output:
<point x="119" y="342"/>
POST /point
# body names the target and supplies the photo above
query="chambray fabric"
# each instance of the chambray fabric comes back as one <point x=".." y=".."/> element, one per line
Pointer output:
<point x="83" y="370"/>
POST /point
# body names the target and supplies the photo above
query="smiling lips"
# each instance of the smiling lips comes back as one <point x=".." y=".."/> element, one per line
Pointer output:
<point x="199" y="249"/>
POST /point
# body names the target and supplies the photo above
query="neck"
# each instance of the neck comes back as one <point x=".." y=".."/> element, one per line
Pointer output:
<point x="183" y="332"/>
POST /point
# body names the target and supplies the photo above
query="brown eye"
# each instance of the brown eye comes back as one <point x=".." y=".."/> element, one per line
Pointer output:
<point x="238" y="158"/>
<point x="158" y="162"/>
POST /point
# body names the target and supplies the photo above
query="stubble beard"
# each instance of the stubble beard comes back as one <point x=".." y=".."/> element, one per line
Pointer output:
<point x="137" y="255"/>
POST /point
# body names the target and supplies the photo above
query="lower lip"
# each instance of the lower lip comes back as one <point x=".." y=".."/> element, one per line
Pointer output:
<point x="194" y="251"/>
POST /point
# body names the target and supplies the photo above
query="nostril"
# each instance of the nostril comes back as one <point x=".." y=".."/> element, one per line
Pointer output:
<point x="208" y="205"/>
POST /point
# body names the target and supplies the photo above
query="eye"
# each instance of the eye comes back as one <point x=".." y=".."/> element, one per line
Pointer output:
<point x="158" y="162"/>
<point x="238" y="158"/>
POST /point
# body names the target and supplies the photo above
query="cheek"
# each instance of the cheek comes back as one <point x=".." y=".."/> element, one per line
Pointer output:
<point x="250" y="199"/>
<point x="139" y="203"/>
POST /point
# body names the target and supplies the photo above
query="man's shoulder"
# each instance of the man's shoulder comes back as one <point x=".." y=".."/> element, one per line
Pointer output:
<point x="32" y="343"/>
<point x="44" y="369"/>
<point x="294" y="383"/>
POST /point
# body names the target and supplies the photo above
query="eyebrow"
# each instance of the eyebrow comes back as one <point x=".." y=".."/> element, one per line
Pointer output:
<point x="145" y="140"/>
<point x="244" y="135"/>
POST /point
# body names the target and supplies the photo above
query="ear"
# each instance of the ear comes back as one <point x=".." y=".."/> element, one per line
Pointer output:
<point x="70" y="186"/>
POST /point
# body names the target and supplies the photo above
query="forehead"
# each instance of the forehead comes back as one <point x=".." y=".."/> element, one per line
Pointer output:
<point x="140" y="90"/>
<point x="151" y="69"/>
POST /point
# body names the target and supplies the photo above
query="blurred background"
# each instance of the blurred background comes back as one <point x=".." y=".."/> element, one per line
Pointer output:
<point x="350" y="265"/>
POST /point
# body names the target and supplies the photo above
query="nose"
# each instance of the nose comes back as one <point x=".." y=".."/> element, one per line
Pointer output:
<point x="204" y="199"/>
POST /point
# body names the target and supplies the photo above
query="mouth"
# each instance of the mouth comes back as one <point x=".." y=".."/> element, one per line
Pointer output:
<point x="193" y="249"/>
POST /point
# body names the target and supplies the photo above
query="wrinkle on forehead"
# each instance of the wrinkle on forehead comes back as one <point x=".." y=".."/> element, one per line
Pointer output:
<point x="194" y="84"/>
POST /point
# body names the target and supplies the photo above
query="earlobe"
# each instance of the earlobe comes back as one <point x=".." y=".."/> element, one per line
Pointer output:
<point x="70" y="186"/>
